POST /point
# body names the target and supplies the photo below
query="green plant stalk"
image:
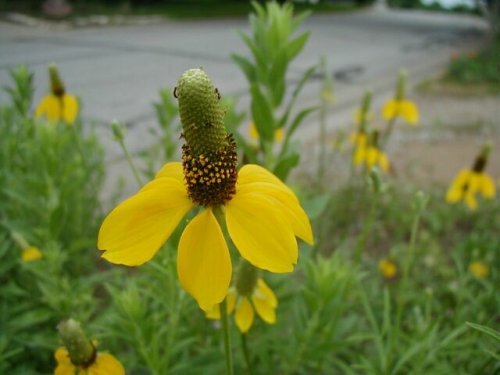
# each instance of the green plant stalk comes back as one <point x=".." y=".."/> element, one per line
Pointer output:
<point x="246" y="353"/>
<point x="387" y="132"/>
<point x="130" y="162"/>
<point x="406" y="266"/>
<point x="321" y="142"/>
<point x="367" y="229"/>
<point x="227" y="338"/>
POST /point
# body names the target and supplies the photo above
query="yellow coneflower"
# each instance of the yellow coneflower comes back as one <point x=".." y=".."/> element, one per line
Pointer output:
<point x="261" y="214"/>
<point x="399" y="106"/>
<point x="479" y="269"/>
<point x="470" y="182"/>
<point x="80" y="356"/>
<point x="368" y="154"/>
<point x="387" y="268"/>
<point x="57" y="105"/>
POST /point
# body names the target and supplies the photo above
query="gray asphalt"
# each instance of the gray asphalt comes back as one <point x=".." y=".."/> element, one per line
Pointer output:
<point x="117" y="71"/>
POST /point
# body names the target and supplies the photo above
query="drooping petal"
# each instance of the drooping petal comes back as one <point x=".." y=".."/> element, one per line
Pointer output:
<point x="134" y="231"/>
<point x="471" y="201"/>
<point x="214" y="312"/>
<point x="390" y="109"/>
<point x="456" y="190"/>
<point x="409" y="111"/>
<point x="487" y="186"/>
<point x="203" y="261"/>
<point x="265" y="310"/>
<point x="106" y="364"/>
<point x="359" y="155"/>
<point x="383" y="162"/>
<point x="244" y="315"/>
<point x="287" y="202"/>
<point x="172" y="170"/>
<point x="49" y="107"/>
<point x="265" y="302"/>
<point x="372" y="156"/>
<point x="263" y="289"/>
<point x="255" y="179"/>
<point x="261" y="232"/>
<point x="69" y="108"/>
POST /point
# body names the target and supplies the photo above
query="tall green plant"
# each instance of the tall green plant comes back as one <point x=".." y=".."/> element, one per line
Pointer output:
<point x="273" y="46"/>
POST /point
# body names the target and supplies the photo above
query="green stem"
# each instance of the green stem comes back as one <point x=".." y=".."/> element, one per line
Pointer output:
<point x="321" y="141"/>
<point x="387" y="132"/>
<point x="406" y="265"/>
<point x="227" y="340"/>
<point x="130" y="162"/>
<point x="246" y="353"/>
<point x="367" y="229"/>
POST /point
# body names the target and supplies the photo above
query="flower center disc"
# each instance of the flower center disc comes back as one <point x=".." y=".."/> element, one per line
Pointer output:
<point x="211" y="178"/>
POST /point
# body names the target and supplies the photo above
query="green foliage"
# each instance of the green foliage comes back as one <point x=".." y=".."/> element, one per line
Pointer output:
<point x="50" y="175"/>
<point x="477" y="69"/>
<point x="273" y="46"/>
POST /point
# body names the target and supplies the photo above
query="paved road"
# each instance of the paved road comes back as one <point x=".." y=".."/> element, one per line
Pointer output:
<point x="118" y="71"/>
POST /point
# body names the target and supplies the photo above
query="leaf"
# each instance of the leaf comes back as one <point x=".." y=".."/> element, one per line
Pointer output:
<point x="296" y="45"/>
<point x="246" y="67"/>
<point x="276" y="77"/>
<point x="487" y="330"/>
<point x="285" y="165"/>
<point x="262" y="114"/>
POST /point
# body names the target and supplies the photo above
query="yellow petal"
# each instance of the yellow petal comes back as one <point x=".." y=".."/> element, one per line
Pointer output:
<point x="359" y="155"/>
<point x="479" y="269"/>
<point x="69" y="108"/>
<point x="49" y="107"/>
<point x="244" y="315"/>
<point x="383" y="162"/>
<point x="203" y="261"/>
<point x="257" y="180"/>
<point x="265" y="302"/>
<point x="214" y="312"/>
<point x="409" y="111"/>
<point x="31" y="253"/>
<point x="390" y="109"/>
<point x="252" y="131"/>
<point x="255" y="173"/>
<point x="64" y="365"/>
<point x="286" y="202"/>
<point x="106" y="364"/>
<point x="372" y="156"/>
<point x="456" y="190"/>
<point x="264" y="290"/>
<point x="487" y="186"/>
<point x="470" y="200"/>
<point x="134" y="231"/>
<point x="172" y="170"/>
<point x="261" y="232"/>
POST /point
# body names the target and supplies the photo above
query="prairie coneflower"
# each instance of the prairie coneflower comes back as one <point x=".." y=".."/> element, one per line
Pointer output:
<point x="250" y="294"/>
<point x="80" y="356"/>
<point x="57" y="105"/>
<point x="399" y="106"/>
<point x="469" y="182"/>
<point x="368" y="153"/>
<point x="29" y="253"/>
<point x="261" y="214"/>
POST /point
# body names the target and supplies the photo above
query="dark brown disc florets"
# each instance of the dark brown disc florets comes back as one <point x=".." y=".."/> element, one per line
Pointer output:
<point x="211" y="178"/>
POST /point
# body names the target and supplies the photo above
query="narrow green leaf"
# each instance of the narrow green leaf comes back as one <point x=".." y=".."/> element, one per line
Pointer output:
<point x="262" y="114"/>
<point x="489" y="331"/>
<point x="296" y="45"/>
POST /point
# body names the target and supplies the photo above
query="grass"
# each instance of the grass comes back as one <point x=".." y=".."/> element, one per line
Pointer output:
<point x="470" y="73"/>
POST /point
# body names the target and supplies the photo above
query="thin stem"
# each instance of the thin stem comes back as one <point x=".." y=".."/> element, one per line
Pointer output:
<point x="227" y="340"/>
<point x="367" y="228"/>
<point x="321" y="142"/>
<point x="130" y="162"/>
<point x="406" y="265"/>
<point x="388" y="132"/>
<point x="246" y="353"/>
